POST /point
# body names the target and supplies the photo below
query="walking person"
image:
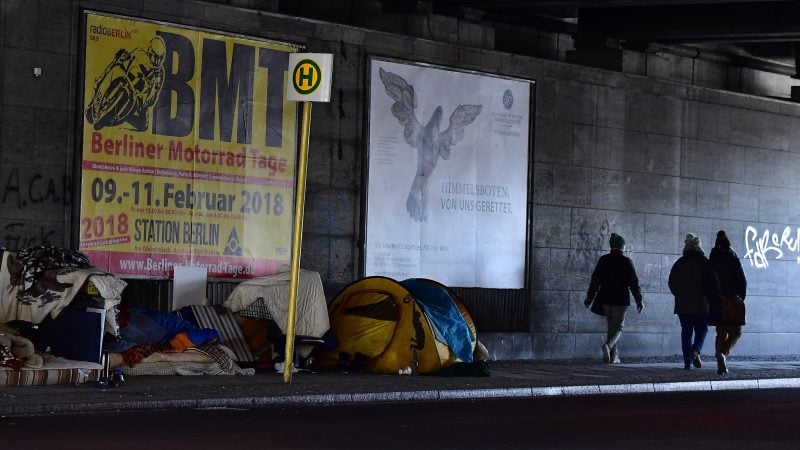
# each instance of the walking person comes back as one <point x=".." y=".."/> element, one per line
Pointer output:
<point x="726" y="279"/>
<point x="686" y="282"/>
<point x="613" y="280"/>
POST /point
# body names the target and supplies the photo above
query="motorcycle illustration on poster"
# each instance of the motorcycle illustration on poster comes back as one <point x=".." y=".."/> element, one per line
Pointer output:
<point x="128" y="87"/>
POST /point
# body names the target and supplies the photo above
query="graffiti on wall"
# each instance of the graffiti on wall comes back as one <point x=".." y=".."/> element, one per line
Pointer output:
<point x="589" y="239"/>
<point x="29" y="193"/>
<point x="35" y="191"/>
<point x="652" y="271"/>
<point x="761" y="247"/>
<point x="18" y="235"/>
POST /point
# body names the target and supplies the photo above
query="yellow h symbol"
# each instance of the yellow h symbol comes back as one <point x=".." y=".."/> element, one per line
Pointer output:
<point x="305" y="76"/>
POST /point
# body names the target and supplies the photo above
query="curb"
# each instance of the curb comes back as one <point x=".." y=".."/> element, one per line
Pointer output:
<point x="400" y="396"/>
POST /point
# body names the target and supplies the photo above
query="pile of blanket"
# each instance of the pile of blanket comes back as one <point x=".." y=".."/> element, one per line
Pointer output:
<point x="143" y="332"/>
<point x="40" y="281"/>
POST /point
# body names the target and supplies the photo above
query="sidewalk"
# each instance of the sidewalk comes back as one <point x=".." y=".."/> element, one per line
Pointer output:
<point x="521" y="379"/>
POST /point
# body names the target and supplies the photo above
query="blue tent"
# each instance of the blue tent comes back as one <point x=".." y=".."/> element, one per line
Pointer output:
<point x="451" y="321"/>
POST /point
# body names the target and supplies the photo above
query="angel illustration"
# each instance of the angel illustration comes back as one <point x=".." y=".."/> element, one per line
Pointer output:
<point x="428" y="140"/>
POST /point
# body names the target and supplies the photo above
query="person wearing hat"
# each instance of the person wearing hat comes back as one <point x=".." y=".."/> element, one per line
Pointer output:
<point x="613" y="280"/>
<point x="686" y="282"/>
<point x="727" y="274"/>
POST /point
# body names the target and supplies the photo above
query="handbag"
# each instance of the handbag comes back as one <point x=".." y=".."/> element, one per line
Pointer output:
<point x="733" y="310"/>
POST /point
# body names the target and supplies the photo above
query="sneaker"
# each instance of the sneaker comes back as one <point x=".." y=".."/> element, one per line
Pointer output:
<point x="722" y="367"/>
<point x="687" y="367"/>
<point x="616" y="360"/>
<point x="696" y="360"/>
<point x="606" y="354"/>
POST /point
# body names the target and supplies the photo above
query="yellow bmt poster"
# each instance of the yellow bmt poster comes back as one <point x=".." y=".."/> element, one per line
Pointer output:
<point x="189" y="150"/>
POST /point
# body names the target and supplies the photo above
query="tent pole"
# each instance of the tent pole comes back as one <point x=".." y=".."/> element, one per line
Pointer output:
<point x="297" y="237"/>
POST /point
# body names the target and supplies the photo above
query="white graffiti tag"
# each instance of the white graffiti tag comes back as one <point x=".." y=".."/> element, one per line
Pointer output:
<point x="759" y="247"/>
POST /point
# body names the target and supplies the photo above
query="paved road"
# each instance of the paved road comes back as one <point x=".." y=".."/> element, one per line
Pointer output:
<point x="762" y="419"/>
<point x="509" y="379"/>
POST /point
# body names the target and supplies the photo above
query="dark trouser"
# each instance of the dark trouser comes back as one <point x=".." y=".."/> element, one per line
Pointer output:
<point x="615" y="322"/>
<point x="727" y="336"/>
<point x="692" y="324"/>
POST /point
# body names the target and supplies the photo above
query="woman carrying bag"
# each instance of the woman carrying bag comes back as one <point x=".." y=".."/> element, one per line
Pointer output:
<point x="725" y="280"/>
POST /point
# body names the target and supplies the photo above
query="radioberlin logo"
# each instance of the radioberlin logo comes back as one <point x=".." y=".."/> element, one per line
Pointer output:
<point x="111" y="32"/>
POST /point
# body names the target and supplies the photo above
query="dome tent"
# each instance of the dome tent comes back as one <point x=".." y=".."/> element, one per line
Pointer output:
<point x="385" y="326"/>
<point x="452" y="323"/>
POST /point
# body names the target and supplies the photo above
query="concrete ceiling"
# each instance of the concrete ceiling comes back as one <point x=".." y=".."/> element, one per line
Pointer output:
<point x="763" y="29"/>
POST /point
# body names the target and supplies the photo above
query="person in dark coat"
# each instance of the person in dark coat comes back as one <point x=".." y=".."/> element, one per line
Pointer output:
<point x="725" y="267"/>
<point x="686" y="282"/>
<point x="613" y="277"/>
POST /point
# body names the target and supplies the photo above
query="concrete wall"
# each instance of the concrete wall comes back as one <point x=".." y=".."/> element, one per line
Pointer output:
<point x="35" y="160"/>
<point x="652" y="161"/>
<point x="645" y="157"/>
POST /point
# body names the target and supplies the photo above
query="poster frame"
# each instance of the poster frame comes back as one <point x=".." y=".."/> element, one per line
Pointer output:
<point x="74" y="161"/>
<point x="370" y="59"/>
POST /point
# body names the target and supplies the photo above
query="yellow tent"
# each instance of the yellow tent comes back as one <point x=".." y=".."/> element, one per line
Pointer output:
<point x="381" y="327"/>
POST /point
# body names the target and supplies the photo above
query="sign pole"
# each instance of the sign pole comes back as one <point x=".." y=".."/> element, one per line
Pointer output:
<point x="297" y="237"/>
<point x="309" y="81"/>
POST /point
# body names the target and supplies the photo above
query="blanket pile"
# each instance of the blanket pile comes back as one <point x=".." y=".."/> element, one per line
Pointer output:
<point x="43" y="280"/>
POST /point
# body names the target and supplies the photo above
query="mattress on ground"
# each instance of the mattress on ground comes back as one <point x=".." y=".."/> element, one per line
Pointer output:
<point x="205" y="360"/>
<point x="54" y="371"/>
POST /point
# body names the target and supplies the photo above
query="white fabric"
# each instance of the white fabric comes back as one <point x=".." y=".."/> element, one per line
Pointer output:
<point x="110" y="286"/>
<point x="312" y="309"/>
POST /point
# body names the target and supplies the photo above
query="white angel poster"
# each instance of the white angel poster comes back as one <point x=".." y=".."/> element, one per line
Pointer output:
<point x="447" y="177"/>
